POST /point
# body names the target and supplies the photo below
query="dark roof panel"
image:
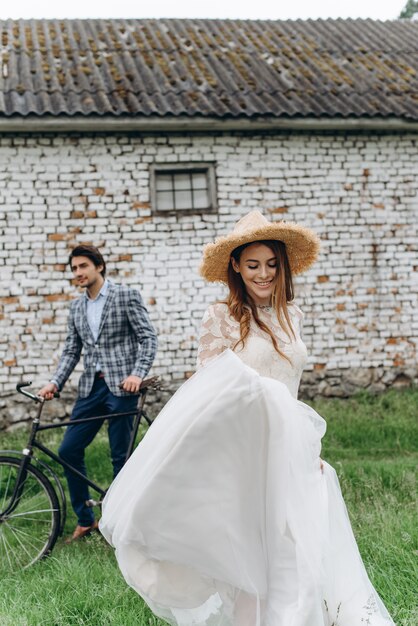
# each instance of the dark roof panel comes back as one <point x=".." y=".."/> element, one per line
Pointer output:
<point x="211" y="68"/>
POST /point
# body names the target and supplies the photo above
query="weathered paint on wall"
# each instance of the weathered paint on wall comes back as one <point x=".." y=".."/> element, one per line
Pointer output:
<point x="359" y="192"/>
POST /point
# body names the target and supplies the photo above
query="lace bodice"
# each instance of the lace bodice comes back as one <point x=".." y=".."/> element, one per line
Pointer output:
<point x="219" y="331"/>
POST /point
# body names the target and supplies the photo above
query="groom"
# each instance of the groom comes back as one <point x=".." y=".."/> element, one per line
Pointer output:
<point x="110" y="324"/>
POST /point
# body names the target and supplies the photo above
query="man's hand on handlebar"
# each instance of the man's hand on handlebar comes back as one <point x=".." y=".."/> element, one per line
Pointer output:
<point x="131" y="384"/>
<point x="48" y="391"/>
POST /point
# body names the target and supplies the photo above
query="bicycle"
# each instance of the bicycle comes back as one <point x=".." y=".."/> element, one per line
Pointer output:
<point x="33" y="504"/>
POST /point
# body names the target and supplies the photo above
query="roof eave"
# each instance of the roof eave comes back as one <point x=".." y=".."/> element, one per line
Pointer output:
<point x="157" y="124"/>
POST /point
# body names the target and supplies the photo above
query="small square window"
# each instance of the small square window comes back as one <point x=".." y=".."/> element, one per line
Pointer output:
<point x="185" y="188"/>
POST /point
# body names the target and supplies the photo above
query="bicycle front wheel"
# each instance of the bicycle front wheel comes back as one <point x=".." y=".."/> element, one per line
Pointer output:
<point x="30" y="529"/>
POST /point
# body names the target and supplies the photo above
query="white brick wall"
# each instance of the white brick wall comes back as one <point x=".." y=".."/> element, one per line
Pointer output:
<point x="359" y="192"/>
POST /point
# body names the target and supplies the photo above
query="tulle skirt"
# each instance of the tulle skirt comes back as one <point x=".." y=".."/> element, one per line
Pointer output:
<point x="223" y="517"/>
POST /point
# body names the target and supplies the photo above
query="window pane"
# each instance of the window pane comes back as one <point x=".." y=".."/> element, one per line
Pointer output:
<point x="183" y="199"/>
<point x="165" y="201"/>
<point x="199" y="180"/>
<point x="201" y="199"/>
<point x="164" y="182"/>
<point x="182" y="181"/>
<point x="183" y="187"/>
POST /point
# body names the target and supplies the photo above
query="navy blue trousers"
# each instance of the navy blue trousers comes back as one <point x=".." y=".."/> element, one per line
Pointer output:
<point x="78" y="436"/>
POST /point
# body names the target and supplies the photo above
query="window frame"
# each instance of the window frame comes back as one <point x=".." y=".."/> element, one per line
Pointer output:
<point x="208" y="168"/>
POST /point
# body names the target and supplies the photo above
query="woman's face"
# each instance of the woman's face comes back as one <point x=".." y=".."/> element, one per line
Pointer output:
<point x="258" y="267"/>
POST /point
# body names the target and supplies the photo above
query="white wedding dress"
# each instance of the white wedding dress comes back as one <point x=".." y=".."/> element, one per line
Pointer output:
<point x="222" y="516"/>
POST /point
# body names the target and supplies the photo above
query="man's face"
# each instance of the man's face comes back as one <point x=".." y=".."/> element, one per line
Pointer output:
<point x="85" y="272"/>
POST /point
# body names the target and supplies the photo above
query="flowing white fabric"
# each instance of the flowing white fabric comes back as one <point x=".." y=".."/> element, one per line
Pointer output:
<point x="222" y="516"/>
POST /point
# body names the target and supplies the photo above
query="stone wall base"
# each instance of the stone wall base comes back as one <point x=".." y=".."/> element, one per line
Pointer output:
<point x="17" y="411"/>
<point x="342" y="383"/>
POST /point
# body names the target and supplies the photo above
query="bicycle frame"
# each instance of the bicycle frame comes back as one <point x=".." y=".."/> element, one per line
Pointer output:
<point x="27" y="452"/>
<point x="139" y="413"/>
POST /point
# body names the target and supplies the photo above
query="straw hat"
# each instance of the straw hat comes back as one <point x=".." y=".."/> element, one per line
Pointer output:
<point x="302" y="245"/>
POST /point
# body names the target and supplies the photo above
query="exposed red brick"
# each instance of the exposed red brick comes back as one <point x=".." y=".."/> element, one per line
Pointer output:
<point x="141" y="205"/>
<point x="141" y="220"/>
<point x="9" y="362"/>
<point x="125" y="257"/>
<point x="340" y="307"/>
<point x="77" y="215"/>
<point x="340" y="292"/>
<point x="348" y="186"/>
<point x="372" y="290"/>
<point x="91" y="214"/>
<point x="322" y="279"/>
<point x="379" y="205"/>
<point x="319" y="366"/>
<point x="279" y="209"/>
<point x="48" y="320"/>
<point x="152" y="301"/>
<point x="99" y="191"/>
<point x="9" y="299"/>
<point x="59" y="237"/>
<point x="392" y="341"/>
<point x="362" y="305"/>
<point x="56" y="297"/>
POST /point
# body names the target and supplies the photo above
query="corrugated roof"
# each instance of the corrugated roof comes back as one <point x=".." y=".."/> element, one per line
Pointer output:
<point x="211" y="68"/>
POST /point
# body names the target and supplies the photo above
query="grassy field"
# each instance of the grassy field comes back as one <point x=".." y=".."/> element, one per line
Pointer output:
<point x="372" y="443"/>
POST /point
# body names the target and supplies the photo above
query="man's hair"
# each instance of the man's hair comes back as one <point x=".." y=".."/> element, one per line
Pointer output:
<point x="91" y="253"/>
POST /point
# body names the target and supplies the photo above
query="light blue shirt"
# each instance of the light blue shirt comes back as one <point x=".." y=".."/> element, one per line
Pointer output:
<point x="94" y="312"/>
<point x="94" y="315"/>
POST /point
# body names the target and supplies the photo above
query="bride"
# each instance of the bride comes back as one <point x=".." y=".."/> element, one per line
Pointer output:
<point x="225" y="515"/>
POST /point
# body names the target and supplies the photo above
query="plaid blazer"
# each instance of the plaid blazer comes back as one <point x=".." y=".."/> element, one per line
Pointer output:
<point x="126" y="343"/>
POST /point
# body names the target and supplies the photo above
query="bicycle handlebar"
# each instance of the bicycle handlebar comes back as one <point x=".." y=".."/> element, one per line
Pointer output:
<point x="23" y="384"/>
<point x="153" y="381"/>
<point x="148" y="382"/>
<point x="19" y="389"/>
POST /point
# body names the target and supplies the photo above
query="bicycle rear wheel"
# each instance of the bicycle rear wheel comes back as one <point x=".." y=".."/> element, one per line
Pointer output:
<point x="29" y="531"/>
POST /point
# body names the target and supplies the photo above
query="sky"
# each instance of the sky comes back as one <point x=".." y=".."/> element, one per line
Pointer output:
<point x="234" y="9"/>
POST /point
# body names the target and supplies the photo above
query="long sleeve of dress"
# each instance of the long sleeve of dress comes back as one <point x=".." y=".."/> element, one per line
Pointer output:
<point x="216" y="333"/>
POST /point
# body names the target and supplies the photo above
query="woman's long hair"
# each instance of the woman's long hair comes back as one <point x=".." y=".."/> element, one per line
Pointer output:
<point x="241" y="305"/>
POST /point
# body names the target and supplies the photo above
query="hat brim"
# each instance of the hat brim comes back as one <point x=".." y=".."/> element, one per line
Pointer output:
<point x="302" y="247"/>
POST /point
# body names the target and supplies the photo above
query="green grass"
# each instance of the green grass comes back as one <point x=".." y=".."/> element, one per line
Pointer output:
<point x="372" y="443"/>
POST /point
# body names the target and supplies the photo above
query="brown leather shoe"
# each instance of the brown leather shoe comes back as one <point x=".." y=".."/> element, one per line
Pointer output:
<point x="82" y="531"/>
